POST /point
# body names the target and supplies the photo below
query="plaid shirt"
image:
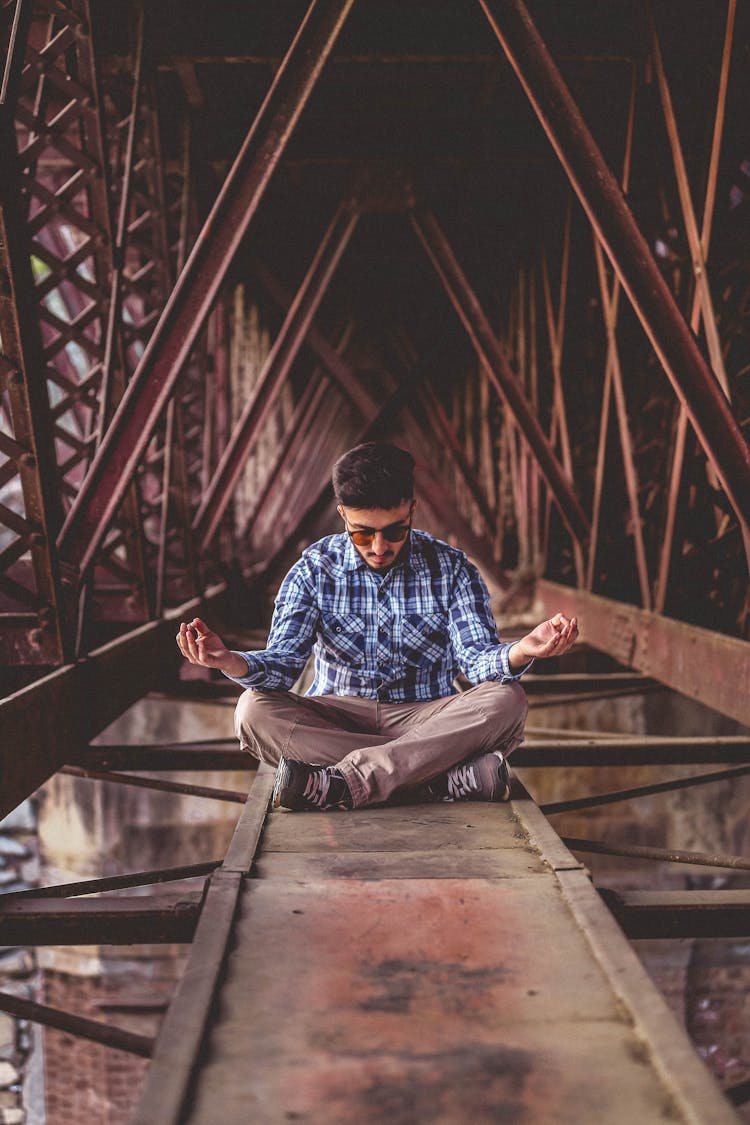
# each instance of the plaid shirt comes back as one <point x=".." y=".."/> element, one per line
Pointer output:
<point x="398" y="637"/>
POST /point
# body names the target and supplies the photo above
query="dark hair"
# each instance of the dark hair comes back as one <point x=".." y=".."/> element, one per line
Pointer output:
<point x="374" y="475"/>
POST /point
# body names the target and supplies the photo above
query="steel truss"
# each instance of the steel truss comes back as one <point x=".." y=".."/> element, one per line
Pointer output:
<point x="120" y="460"/>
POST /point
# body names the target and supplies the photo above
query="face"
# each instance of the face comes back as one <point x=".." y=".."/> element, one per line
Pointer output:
<point x="381" y="552"/>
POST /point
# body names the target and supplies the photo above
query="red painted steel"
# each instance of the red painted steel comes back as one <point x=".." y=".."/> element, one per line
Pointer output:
<point x="498" y="367"/>
<point x="199" y="283"/>
<point x="336" y="366"/>
<point x="628" y="250"/>
<point x="275" y="371"/>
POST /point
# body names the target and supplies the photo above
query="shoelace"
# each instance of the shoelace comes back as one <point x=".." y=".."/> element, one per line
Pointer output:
<point x="462" y="780"/>
<point x="316" y="789"/>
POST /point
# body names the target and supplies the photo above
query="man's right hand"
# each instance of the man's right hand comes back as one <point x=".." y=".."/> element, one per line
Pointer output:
<point x="200" y="645"/>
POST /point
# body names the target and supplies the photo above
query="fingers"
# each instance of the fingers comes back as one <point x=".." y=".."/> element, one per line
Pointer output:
<point x="568" y="633"/>
<point x="564" y="637"/>
<point x="187" y="641"/>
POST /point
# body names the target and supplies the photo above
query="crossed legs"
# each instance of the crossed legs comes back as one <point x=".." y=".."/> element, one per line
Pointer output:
<point x="381" y="747"/>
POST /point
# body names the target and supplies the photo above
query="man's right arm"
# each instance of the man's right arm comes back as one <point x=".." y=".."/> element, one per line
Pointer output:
<point x="290" y="641"/>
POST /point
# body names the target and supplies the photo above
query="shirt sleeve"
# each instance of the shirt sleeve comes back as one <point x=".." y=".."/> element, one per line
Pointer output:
<point x="479" y="653"/>
<point x="290" y="641"/>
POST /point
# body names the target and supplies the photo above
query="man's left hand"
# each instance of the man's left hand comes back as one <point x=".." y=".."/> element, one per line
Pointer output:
<point x="551" y="638"/>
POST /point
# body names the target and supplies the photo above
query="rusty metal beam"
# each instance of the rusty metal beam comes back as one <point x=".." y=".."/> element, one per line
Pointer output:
<point x="615" y="752"/>
<point x="680" y="914"/>
<point x="45" y="722"/>
<point x="275" y="371"/>
<point x="179" y="787"/>
<point x="39" y="631"/>
<point x="216" y="754"/>
<point x="335" y="365"/>
<point x="702" y="664"/>
<point x="198" y="285"/>
<point x="498" y="367"/>
<point x="183" y="1028"/>
<point x="661" y="855"/>
<point x="597" y="188"/>
<point x="299" y="424"/>
<point x="118" y="921"/>
<point x="678" y="450"/>
<point x="441" y="424"/>
<point x="635" y="792"/>
<point x="114" y="882"/>
<point x="76" y="1025"/>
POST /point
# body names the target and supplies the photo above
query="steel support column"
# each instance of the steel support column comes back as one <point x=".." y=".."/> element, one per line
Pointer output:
<point x="275" y="371"/>
<point x="490" y="353"/>
<point x="597" y="188"/>
<point x="197" y="288"/>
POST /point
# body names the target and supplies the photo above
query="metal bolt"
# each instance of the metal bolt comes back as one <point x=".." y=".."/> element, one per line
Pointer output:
<point x="27" y="460"/>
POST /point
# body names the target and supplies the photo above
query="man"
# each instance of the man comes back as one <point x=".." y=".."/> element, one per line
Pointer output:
<point x="391" y="615"/>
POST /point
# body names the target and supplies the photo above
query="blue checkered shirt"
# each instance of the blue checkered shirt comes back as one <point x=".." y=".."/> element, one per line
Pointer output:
<point x="399" y="637"/>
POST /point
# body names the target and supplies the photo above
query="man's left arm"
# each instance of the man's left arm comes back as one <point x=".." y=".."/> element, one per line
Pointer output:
<point x="551" y="638"/>
<point x="479" y="653"/>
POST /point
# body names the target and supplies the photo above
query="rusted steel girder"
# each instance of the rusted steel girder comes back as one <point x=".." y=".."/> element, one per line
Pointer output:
<point x="275" y="371"/>
<point x="493" y="357"/>
<point x="117" y="921"/>
<point x="638" y="791"/>
<point x="198" y="285"/>
<point x="333" y="362"/>
<point x="661" y="855"/>
<point x="103" y="1033"/>
<point x="37" y="632"/>
<point x="139" y="782"/>
<point x="700" y="663"/>
<point x="46" y="721"/>
<point x="631" y="257"/>
<point x="680" y="914"/>
<point x="113" y="882"/>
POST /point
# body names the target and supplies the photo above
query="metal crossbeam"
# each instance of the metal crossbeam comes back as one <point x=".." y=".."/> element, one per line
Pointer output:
<point x="678" y="351"/>
<point x="121" y="921"/>
<point x="199" y="283"/>
<point x="680" y="914"/>
<point x="76" y="1025"/>
<point x="704" y="665"/>
<point x="467" y="305"/>
<point x="58" y="713"/>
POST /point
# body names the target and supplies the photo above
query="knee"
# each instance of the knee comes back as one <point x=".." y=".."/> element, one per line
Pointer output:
<point x="251" y="716"/>
<point x="506" y="707"/>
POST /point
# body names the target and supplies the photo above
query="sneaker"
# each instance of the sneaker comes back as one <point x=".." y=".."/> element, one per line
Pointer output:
<point x="301" y="787"/>
<point x="485" y="778"/>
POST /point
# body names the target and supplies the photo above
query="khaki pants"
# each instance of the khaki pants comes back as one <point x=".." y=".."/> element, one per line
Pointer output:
<point x="380" y="747"/>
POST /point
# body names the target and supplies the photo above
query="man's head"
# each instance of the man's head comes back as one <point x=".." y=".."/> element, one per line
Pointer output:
<point x="374" y="487"/>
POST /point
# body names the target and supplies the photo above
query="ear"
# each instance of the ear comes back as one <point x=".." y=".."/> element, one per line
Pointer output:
<point x="340" y="511"/>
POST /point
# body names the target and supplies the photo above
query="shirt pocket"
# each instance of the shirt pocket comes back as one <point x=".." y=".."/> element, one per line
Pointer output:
<point x="424" y="638"/>
<point x="342" y="638"/>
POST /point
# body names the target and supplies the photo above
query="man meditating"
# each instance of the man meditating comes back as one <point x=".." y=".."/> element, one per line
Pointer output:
<point x="391" y="615"/>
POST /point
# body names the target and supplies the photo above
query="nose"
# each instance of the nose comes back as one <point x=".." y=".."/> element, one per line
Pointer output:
<point x="379" y="543"/>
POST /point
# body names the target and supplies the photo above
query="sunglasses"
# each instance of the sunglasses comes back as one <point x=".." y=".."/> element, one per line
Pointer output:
<point x="394" y="533"/>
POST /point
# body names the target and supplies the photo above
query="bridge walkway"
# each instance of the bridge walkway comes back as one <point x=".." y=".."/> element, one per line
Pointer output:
<point x="448" y="963"/>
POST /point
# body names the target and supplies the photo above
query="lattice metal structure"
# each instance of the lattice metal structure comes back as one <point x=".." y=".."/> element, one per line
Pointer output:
<point x="514" y="240"/>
